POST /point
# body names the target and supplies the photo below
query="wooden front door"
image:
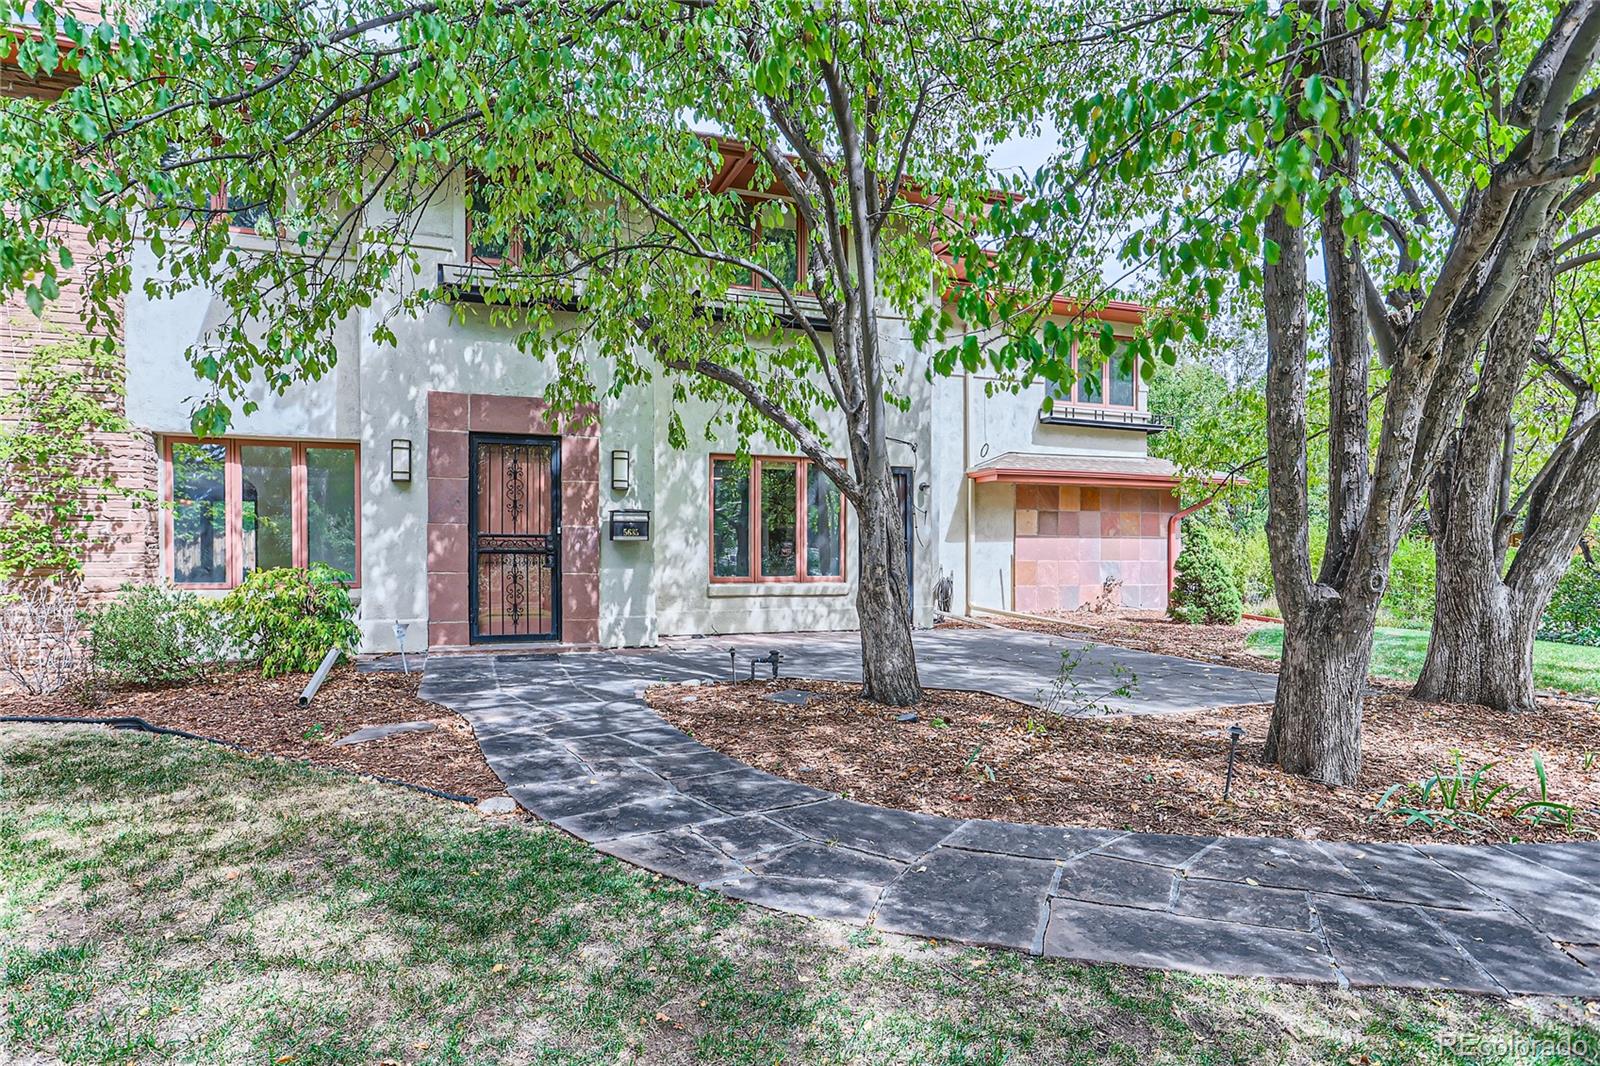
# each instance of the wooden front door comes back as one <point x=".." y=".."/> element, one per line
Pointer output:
<point x="514" y="534"/>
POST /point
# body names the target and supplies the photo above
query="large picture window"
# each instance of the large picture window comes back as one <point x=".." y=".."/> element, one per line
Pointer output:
<point x="242" y="506"/>
<point x="775" y="518"/>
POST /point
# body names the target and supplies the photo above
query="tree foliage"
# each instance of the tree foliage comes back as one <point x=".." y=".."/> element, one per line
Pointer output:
<point x="1422" y="149"/>
<point x="55" y="463"/>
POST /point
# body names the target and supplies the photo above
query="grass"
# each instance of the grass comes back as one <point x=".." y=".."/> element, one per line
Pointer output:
<point x="1399" y="653"/>
<point x="163" y="900"/>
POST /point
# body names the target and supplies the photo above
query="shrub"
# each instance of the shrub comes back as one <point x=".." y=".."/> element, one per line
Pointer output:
<point x="1409" y="598"/>
<point x="155" y="634"/>
<point x="287" y="619"/>
<point x="1205" y="590"/>
<point x="41" y="637"/>
<point x="1573" y="614"/>
<point x="1247" y="558"/>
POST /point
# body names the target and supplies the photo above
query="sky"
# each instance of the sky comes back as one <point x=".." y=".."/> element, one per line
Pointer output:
<point x="1024" y="155"/>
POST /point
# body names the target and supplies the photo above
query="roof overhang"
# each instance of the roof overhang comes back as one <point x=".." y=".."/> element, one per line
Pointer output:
<point x="1023" y="476"/>
<point x="1043" y="468"/>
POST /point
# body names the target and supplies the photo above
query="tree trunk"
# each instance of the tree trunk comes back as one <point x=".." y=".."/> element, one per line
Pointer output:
<point x="1316" y="718"/>
<point x="883" y="604"/>
<point x="1481" y="648"/>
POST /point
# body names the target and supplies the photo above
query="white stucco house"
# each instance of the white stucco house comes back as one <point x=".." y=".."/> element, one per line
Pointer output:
<point x="430" y="471"/>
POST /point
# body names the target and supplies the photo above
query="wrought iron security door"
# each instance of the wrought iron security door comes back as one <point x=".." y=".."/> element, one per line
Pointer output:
<point x="514" y="525"/>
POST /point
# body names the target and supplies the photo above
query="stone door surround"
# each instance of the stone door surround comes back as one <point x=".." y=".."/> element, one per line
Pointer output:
<point x="451" y="417"/>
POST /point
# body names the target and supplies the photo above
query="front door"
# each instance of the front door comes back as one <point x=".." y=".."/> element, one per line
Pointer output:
<point x="514" y="534"/>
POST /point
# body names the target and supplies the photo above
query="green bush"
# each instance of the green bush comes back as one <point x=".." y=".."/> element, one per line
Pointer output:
<point x="1205" y="589"/>
<point x="1573" y="614"/>
<point x="155" y="634"/>
<point x="1408" y="600"/>
<point x="287" y="619"/>
<point x="1246" y="557"/>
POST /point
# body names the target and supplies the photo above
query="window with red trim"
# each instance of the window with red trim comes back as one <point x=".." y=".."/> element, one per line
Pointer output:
<point x="1101" y="380"/>
<point x="775" y="518"/>
<point x="779" y="241"/>
<point x="238" y="506"/>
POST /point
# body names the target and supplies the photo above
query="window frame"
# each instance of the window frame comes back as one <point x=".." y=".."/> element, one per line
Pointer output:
<point x="233" y="504"/>
<point x="802" y="248"/>
<point x="804" y="465"/>
<point x="1072" y="400"/>
<point x="514" y="249"/>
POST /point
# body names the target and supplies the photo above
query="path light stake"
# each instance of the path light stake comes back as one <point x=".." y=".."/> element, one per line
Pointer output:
<point x="1235" y="732"/>
<point x="400" y="636"/>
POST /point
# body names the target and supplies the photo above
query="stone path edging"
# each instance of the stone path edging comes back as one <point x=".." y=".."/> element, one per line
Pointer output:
<point x="575" y="744"/>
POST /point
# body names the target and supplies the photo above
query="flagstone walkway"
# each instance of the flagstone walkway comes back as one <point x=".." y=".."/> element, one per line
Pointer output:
<point x="575" y="744"/>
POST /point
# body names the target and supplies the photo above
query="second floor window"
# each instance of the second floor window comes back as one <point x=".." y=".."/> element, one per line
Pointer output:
<point x="778" y="242"/>
<point x="486" y="244"/>
<point x="1100" y="380"/>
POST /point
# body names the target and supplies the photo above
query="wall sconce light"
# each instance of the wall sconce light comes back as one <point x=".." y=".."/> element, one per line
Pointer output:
<point x="621" y="470"/>
<point x="399" y="460"/>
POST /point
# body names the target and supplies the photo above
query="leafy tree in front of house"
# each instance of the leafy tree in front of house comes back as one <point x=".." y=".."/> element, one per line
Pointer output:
<point x="1419" y="153"/>
<point x="586" y="126"/>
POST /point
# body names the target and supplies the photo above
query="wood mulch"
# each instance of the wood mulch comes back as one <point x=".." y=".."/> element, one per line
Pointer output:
<point x="264" y="716"/>
<point x="971" y="755"/>
<point x="1153" y="631"/>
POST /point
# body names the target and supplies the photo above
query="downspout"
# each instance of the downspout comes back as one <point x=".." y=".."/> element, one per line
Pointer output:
<point x="969" y="487"/>
<point x="1172" y="536"/>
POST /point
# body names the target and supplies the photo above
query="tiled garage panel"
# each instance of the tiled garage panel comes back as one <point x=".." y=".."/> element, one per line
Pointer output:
<point x="1078" y="545"/>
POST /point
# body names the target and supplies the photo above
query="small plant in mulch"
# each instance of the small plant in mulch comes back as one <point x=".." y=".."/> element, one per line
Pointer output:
<point x="156" y="635"/>
<point x="1069" y="696"/>
<point x="1467" y="799"/>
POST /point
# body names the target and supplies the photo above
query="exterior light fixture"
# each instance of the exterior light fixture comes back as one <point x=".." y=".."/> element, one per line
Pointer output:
<point x="1235" y="734"/>
<point x="399" y="460"/>
<point x="621" y="470"/>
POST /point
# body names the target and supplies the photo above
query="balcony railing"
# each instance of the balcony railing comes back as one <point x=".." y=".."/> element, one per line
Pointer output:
<point x="1069" y="414"/>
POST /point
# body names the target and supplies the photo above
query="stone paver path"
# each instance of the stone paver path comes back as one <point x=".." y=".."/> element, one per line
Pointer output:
<point x="574" y="744"/>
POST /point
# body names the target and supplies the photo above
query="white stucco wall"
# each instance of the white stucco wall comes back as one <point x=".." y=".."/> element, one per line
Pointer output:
<point x="378" y="392"/>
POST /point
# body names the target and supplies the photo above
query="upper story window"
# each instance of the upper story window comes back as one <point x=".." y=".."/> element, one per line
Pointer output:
<point x="239" y="506"/>
<point x="243" y="213"/>
<point x="778" y="241"/>
<point x="1101" y="380"/>
<point x="775" y="518"/>
<point x="484" y="244"/>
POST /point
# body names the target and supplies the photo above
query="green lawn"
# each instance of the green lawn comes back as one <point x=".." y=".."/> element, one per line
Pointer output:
<point x="162" y="900"/>
<point x="1398" y="653"/>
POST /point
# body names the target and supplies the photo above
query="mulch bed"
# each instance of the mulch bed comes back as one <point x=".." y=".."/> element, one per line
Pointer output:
<point x="971" y="755"/>
<point x="1153" y="631"/>
<point x="264" y="716"/>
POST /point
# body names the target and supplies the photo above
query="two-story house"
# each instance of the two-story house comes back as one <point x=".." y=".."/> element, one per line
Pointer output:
<point x="433" y="472"/>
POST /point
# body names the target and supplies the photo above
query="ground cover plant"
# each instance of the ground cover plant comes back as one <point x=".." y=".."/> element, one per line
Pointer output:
<point x="164" y="900"/>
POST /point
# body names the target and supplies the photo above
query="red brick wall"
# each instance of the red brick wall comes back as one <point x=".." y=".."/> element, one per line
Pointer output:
<point x="1070" y="540"/>
<point x="451" y="417"/>
<point x="124" y="545"/>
